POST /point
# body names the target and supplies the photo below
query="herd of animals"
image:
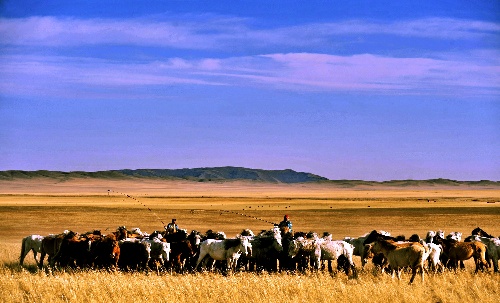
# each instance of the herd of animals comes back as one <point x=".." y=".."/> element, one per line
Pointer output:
<point x="271" y="250"/>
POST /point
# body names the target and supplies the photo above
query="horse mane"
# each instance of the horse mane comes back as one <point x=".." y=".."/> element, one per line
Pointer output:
<point x="311" y="235"/>
<point x="69" y="235"/>
<point x="229" y="243"/>
<point x="479" y="232"/>
<point x="266" y="233"/>
<point x="299" y="234"/>
<point x="210" y="234"/>
<point x="414" y="238"/>
<point x="376" y="236"/>
<point x="111" y="237"/>
<point x="400" y="238"/>
<point x="247" y="232"/>
<point x="387" y="244"/>
<point x="264" y="240"/>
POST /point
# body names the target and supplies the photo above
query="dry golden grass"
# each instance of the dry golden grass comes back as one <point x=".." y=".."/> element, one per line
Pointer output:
<point x="43" y="207"/>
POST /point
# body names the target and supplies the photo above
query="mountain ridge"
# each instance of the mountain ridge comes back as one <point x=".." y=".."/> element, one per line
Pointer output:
<point x="195" y="174"/>
<point x="229" y="173"/>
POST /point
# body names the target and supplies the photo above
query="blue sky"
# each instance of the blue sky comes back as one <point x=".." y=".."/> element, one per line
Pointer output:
<point x="373" y="90"/>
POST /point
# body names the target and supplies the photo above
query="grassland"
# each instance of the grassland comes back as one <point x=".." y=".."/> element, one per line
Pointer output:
<point x="43" y="207"/>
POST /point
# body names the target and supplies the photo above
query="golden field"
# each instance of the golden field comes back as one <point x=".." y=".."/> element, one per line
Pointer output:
<point x="44" y="206"/>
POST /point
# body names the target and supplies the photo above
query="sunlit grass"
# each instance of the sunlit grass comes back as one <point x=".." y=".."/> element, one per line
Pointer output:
<point x="18" y="284"/>
<point x="343" y="213"/>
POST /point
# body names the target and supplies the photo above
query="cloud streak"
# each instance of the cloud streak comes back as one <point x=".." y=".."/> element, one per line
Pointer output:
<point x="212" y="33"/>
<point x="290" y="71"/>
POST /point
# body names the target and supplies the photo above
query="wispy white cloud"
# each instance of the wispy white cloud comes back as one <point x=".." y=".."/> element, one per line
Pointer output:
<point x="212" y="33"/>
<point x="290" y="71"/>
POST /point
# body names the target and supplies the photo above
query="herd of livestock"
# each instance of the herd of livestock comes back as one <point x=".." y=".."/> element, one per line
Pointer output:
<point x="271" y="250"/>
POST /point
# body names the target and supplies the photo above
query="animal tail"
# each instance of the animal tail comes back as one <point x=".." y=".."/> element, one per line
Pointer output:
<point x="482" y="256"/>
<point x="421" y="258"/>
<point x="23" y="247"/>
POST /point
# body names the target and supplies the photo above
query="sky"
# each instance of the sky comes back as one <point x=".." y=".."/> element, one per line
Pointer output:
<point x="371" y="90"/>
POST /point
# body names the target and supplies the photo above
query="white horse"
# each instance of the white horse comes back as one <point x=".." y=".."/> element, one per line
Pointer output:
<point x="360" y="249"/>
<point x="228" y="249"/>
<point x="333" y="250"/>
<point x="160" y="251"/>
<point x="305" y="251"/>
<point x="433" y="255"/>
<point x="31" y="243"/>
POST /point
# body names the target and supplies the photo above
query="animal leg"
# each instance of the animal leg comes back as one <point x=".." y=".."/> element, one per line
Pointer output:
<point x="23" y="253"/>
<point x="42" y="256"/>
<point x="398" y="272"/>
<point x="200" y="258"/>
<point x="422" y="272"/>
<point x="35" y="254"/>
<point x="413" y="274"/>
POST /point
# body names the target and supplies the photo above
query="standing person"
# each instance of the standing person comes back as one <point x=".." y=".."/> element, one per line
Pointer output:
<point x="285" y="225"/>
<point x="172" y="227"/>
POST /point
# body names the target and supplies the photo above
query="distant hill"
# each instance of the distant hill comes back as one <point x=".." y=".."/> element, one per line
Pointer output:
<point x="229" y="173"/>
<point x="194" y="174"/>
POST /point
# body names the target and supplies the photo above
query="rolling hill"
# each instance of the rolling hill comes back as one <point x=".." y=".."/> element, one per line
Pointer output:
<point x="229" y="173"/>
<point x="194" y="174"/>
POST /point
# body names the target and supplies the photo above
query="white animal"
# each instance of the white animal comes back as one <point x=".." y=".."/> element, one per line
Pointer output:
<point x="160" y="251"/>
<point x="229" y="250"/>
<point x="360" y="249"/>
<point x="31" y="243"/>
<point x="306" y="251"/>
<point x="455" y="235"/>
<point x="332" y="250"/>
<point x="433" y="255"/>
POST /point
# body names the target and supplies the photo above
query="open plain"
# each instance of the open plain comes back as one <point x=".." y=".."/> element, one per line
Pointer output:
<point x="45" y="206"/>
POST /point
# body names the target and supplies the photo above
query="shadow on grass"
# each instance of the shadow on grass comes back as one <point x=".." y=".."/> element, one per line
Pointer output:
<point x="14" y="267"/>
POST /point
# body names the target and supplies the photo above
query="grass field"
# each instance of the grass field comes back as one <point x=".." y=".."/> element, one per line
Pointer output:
<point x="44" y="207"/>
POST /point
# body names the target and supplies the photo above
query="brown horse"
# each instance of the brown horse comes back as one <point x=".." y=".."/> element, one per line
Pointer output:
<point x="106" y="252"/>
<point x="74" y="252"/>
<point x="51" y="245"/>
<point x="180" y="253"/>
<point x="461" y="251"/>
<point x="412" y="256"/>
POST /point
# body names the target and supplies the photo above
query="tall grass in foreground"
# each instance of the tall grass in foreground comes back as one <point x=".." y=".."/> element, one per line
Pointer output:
<point x="29" y="285"/>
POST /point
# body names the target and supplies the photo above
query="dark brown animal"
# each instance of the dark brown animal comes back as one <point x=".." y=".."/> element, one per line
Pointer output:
<point x="74" y="253"/>
<point x="479" y="232"/>
<point x="121" y="233"/>
<point x="134" y="255"/>
<point x="51" y="245"/>
<point x="180" y="253"/>
<point x="106" y="252"/>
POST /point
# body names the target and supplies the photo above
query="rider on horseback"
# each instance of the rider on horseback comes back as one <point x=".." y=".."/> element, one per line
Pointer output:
<point x="285" y="225"/>
<point x="172" y="227"/>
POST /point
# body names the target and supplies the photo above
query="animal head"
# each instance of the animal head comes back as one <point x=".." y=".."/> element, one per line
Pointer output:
<point x="247" y="232"/>
<point x="430" y="236"/>
<point x="165" y="251"/>
<point x="414" y="238"/>
<point x="374" y="236"/>
<point x="293" y="248"/>
<point x="440" y="234"/>
<point x="479" y="232"/>
<point x="455" y="236"/>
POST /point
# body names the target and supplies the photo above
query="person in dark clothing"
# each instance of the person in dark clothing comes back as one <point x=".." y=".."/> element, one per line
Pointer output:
<point x="285" y="225"/>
